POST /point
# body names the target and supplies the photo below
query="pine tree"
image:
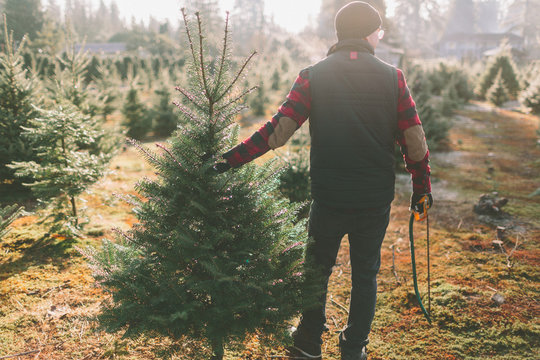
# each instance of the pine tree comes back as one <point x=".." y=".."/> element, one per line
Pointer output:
<point x="209" y="11"/>
<point x="259" y="101"/>
<point x="497" y="94"/>
<point x="49" y="39"/>
<point x="69" y="81"/>
<point x="165" y="119"/>
<point x="136" y="118"/>
<point x="276" y="80"/>
<point x="462" y="18"/>
<point x="64" y="170"/>
<point x="214" y="257"/>
<point x="502" y="62"/>
<point x="18" y="91"/>
<point x="249" y="19"/>
<point x="25" y="17"/>
<point x="531" y="96"/>
<point x="8" y="215"/>
<point x="107" y="90"/>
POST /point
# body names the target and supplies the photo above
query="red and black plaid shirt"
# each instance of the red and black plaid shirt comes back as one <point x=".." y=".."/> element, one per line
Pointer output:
<point x="298" y="106"/>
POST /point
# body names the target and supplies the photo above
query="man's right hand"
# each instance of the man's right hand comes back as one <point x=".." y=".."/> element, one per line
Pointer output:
<point x="221" y="167"/>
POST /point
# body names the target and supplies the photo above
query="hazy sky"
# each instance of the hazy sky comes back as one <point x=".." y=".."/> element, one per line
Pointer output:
<point x="293" y="15"/>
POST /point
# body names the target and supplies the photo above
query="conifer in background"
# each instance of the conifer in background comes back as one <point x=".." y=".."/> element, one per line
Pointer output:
<point x="497" y="93"/>
<point x="259" y="101"/>
<point x="69" y="81"/>
<point x="8" y="215"/>
<point x="165" y="119"/>
<point x="136" y="118"/>
<point x="18" y="91"/>
<point x="276" y="81"/>
<point x="64" y="170"/>
<point x="531" y="96"/>
<point x="214" y="257"/>
<point x="107" y="87"/>
<point x="25" y="17"/>
<point x="503" y="63"/>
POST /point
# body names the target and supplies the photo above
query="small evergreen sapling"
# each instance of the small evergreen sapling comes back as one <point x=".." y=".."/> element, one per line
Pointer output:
<point x="107" y="87"/>
<point x="497" y="93"/>
<point x="214" y="257"/>
<point x="64" y="170"/>
<point x="501" y="63"/>
<point x="165" y="119"/>
<point x="136" y="118"/>
<point x="276" y="80"/>
<point x="259" y="101"/>
<point x="531" y="96"/>
<point x="69" y="81"/>
<point x="18" y="91"/>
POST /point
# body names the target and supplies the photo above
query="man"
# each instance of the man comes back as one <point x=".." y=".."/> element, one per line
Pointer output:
<point x="358" y="108"/>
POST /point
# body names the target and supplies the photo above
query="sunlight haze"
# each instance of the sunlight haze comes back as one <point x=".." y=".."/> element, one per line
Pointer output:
<point x="293" y="15"/>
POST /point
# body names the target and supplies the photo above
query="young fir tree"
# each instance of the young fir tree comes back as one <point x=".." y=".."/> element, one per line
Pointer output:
<point x="18" y="91"/>
<point x="214" y="257"/>
<point x="136" y="118"/>
<point x="259" y="101"/>
<point x="503" y="63"/>
<point x="107" y="84"/>
<point x="165" y="119"/>
<point x="497" y="93"/>
<point x="66" y="165"/>
<point x="69" y="81"/>
<point x="276" y="81"/>
<point x="8" y="215"/>
<point x="531" y="96"/>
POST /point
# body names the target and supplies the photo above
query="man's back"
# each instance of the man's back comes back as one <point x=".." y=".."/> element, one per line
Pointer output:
<point x="353" y="126"/>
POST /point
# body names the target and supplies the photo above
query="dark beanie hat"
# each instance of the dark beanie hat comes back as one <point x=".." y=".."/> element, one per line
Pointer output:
<point x="357" y="20"/>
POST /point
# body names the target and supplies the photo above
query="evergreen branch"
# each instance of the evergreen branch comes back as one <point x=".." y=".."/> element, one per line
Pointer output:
<point x="126" y="199"/>
<point x="238" y="98"/>
<point x="190" y="38"/>
<point x="189" y="96"/>
<point x="185" y="110"/>
<point x="124" y="235"/>
<point x="201" y="57"/>
<point x="242" y="69"/>
<point x="143" y="150"/>
<point x="170" y="155"/>
<point x="223" y="55"/>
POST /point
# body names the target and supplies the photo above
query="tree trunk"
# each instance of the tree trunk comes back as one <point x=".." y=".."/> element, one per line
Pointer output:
<point x="74" y="210"/>
<point x="217" y="350"/>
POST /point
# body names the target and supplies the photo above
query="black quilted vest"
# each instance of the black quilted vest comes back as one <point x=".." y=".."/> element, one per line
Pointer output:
<point x="353" y="125"/>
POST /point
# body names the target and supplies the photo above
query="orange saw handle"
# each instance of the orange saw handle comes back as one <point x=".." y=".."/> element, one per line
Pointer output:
<point x="421" y="209"/>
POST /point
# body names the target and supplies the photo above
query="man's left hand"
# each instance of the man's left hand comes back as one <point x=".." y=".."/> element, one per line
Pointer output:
<point x="415" y="198"/>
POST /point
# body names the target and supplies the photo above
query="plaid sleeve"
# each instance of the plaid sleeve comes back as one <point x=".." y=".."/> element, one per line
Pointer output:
<point x="407" y="118"/>
<point x="297" y="107"/>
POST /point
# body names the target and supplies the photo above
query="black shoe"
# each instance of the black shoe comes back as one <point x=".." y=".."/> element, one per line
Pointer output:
<point x="306" y="346"/>
<point x="352" y="351"/>
<point x="350" y="354"/>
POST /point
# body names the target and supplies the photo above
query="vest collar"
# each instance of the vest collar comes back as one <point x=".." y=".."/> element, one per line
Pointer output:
<point x="352" y="45"/>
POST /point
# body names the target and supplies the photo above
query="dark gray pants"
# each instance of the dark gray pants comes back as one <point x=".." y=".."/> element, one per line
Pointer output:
<point x="366" y="230"/>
